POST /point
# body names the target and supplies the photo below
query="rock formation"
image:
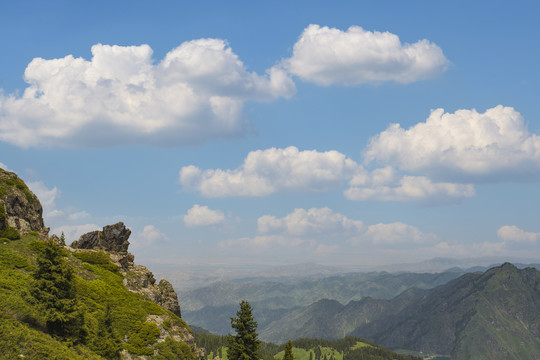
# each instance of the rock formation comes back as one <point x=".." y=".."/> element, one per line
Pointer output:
<point x="137" y="278"/>
<point x="19" y="207"/>
<point x="113" y="238"/>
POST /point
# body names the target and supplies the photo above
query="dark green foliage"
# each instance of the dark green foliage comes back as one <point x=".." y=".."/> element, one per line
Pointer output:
<point x="10" y="233"/>
<point x="173" y="350"/>
<point x="54" y="290"/>
<point x="11" y="259"/>
<point x="288" y="355"/>
<point x="100" y="258"/>
<point x="375" y="353"/>
<point x="139" y="341"/>
<point x="108" y="312"/>
<point x="107" y="343"/>
<point x="18" y="341"/>
<point x="245" y="344"/>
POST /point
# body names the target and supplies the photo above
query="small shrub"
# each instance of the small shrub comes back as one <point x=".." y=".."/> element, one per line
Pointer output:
<point x="139" y="341"/>
<point x="170" y="350"/>
<point x="97" y="258"/>
<point x="10" y="233"/>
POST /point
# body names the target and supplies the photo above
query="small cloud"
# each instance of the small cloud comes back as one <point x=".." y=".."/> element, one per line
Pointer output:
<point x="265" y="172"/>
<point x="149" y="236"/>
<point x="514" y="234"/>
<point x="303" y="222"/>
<point x="330" y="56"/>
<point x="412" y="189"/>
<point x="47" y="197"/>
<point x="203" y="216"/>
<point x="4" y="166"/>
<point x="396" y="233"/>
<point x="79" y="215"/>
<point x="262" y="242"/>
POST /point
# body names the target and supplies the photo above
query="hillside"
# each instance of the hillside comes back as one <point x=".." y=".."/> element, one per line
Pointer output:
<point x="329" y="319"/>
<point x="212" y="306"/>
<point x="491" y="315"/>
<point x="89" y="301"/>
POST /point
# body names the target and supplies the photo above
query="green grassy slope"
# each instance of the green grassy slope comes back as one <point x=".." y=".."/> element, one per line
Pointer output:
<point x="135" y="323"/>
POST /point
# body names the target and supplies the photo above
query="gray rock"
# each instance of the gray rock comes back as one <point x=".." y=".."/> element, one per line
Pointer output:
<point x="22" y="208"/>
<point x="168" y="298"/>
<point x="113" y="238"/>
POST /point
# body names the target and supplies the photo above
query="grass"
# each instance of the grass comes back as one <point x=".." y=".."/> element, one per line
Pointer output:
<point x="100" y="290"/>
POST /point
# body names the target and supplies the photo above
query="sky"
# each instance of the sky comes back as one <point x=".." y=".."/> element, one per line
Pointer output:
<point x="259" y="133"/>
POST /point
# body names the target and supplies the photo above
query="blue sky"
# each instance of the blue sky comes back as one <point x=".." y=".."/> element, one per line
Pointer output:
<point x="266" y="133"/>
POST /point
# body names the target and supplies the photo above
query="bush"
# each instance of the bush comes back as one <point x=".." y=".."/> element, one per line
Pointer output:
<point x="139" y="341"/>
<point x="171" y="350"/>
<point x="10" y="233"/>
<point x="97" y="258"/>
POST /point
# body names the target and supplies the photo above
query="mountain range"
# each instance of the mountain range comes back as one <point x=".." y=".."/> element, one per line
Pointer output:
<point x="492" y="314"/>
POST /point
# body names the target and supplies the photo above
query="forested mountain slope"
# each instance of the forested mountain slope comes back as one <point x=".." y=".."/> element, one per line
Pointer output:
<point x="211" y="307"/>
<point x="491" y="315"/>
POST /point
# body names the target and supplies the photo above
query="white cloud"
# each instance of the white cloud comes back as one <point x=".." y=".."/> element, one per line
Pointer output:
<point x="328" y="56"/>
<point x="514" y="234"/>
<point x="149" y="236"/>
<point x="47" y="197"/>
<point x="324" y="223"/>
<point x="74" y="232"/>
<point x="303" y="222"/>
<point x="265" y="172"/>
<point x="465" y="145"/>
<point x="262" y="242"/>
<point x="413" y="188"/>
<point x="4" y="166"/>
<point x="121" y="96"/>
<point x="396" y="233"/>
<point x="203" y="216"/>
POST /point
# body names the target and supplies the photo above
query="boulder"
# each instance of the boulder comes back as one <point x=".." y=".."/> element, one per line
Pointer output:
<point x="113" y="238"/>
<point x="19" y="207"/>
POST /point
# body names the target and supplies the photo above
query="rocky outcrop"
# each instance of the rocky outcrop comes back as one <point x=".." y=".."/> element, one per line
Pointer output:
<point x="113" y="238"/>
<point x="19" y="207"/>
<point x="137" y="278"/>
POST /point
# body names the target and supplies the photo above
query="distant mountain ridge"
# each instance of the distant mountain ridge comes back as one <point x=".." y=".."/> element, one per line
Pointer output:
<point x="491" y="315"/>
<point x="211" y="307"/>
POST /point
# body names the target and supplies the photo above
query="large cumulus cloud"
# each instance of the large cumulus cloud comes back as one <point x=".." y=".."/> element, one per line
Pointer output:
<point x="121" y="96"/>
<point x="328" y="56"/>
<point x="465" y="145"/>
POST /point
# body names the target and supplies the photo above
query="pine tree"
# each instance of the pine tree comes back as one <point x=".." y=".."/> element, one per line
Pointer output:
<point x="288" y="355"/>
<point x="245" y="344"/>
<point x="54" y="289"/>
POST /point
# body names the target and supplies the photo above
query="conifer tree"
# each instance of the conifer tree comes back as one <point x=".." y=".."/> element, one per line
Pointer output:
<point x="245" y="344"/>
<point x="288" y="355"/>
<point x="54" y="289"/>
